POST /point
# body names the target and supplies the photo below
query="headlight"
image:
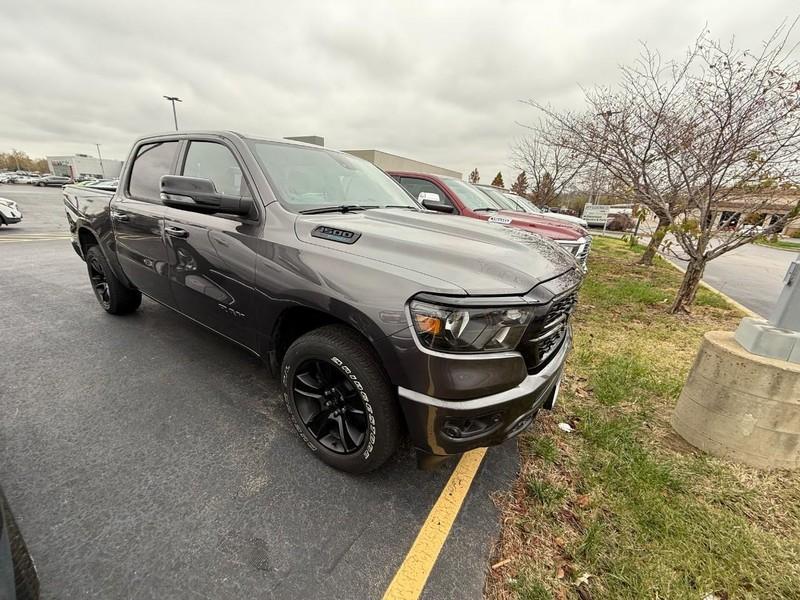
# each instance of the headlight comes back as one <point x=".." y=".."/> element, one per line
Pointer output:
<point x="461" y="329"/>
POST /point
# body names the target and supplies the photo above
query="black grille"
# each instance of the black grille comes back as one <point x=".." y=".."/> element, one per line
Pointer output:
<point x="546" y="333"/>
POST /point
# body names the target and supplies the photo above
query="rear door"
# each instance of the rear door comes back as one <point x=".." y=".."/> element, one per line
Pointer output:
<point x="137" y="215"/>
<point x="213" y="256"/>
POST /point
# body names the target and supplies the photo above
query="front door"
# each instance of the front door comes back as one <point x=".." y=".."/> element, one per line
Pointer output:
<point x="212" y="256"/>
<point x="137" y="216"/>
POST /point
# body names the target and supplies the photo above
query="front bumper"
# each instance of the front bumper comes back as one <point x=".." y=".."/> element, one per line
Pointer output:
<point x="12" y="216"/>
<point x="445" y="427"/>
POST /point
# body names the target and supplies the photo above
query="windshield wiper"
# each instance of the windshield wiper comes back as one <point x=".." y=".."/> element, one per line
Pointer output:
<point x="400" y="206"/>
<point x="485" y="208"/>
<point x="342" y="208"/>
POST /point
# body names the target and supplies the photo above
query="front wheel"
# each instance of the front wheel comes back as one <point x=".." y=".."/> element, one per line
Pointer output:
<point x="112" y="295"/>
<point x="339" y="399"/>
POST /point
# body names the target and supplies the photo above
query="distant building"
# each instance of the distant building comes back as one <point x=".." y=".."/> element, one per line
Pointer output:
<point x="392" y="162"/>
<point x="78" y="165"/>
<point x="317" y="140"/>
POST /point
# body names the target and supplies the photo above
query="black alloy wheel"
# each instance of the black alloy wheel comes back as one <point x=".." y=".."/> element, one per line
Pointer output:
<point x="329" y="406"/>
<point x="99" y="281"/>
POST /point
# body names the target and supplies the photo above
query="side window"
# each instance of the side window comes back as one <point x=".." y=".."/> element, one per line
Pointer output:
<point x="151" y="162"/>
<point x="416" y="186"/>
<point x="209" y="160"/>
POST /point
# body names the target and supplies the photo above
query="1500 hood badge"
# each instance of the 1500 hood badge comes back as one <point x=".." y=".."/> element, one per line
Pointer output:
<point x="334" y="234"/>
<point x="503" y="220"/>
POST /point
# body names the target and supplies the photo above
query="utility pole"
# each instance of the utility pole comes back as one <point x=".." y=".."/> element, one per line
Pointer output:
<point x="100" y="156"/>
<point x="174" y="99"/>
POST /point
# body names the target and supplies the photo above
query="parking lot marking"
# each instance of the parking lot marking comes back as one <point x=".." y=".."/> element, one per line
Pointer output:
<point x="410" y="579"/>
<point x="32" y="238"/>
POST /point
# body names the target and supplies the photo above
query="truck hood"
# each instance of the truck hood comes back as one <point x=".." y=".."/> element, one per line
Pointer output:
<point x="549" y="227"/>
<point x="480" y="258"/>
<point x="577" y="221"/>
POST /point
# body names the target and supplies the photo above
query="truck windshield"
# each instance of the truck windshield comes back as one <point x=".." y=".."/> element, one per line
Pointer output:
<point x="307" y="179"/>
<point x="501" y="200"/>
<point x="523" y="204"/>
<point x="471" y="196"/>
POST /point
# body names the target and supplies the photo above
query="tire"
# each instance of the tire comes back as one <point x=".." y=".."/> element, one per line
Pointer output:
<point x="112" y="295"/>
<point x="366" y="440"/>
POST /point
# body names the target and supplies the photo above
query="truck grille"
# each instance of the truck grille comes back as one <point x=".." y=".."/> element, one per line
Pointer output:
<point x="545" y="334"/>
<point x="579" y="249"/>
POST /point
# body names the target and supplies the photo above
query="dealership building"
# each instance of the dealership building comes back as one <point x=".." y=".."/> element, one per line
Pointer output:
<point x="392" y="162"/>
<point x="78" y="165"/>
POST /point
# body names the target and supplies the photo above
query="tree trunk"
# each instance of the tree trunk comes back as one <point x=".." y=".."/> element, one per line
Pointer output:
<point x="655" y="242"/>
<point x="689" y="285"/>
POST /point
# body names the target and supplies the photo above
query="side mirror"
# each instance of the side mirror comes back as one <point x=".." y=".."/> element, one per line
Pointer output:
<point x="200" y="195"/>
<point x="432" y="201"/>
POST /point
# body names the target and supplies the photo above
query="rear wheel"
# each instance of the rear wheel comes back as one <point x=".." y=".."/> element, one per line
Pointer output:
<point x="340" y="400"/>
<point x="112" y="295"/>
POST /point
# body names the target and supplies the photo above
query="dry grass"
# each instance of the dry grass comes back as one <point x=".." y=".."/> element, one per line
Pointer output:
<point x="622" y="507"/>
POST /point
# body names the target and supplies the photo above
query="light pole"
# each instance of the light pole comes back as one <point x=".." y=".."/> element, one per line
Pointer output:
<point x="100" y="156"/>
<point x="174" y="99"/>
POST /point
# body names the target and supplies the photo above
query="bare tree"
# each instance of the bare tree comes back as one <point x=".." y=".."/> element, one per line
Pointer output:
<point x="709" y="143"/>
<point x="550" y="167"/>
<point x="474" y="176"/>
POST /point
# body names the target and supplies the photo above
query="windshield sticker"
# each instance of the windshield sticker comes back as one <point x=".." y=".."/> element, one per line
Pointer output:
<point x="503" y="220"/>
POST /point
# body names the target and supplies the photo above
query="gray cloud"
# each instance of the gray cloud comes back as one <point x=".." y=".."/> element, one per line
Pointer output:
<point x="433" y="80"/>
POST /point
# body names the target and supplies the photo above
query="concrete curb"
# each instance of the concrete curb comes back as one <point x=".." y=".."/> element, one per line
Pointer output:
<point x="710" y="287"/>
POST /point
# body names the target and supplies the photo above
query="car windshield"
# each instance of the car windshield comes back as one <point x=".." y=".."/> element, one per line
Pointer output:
<point x="309" y="178"/>
<point x="500" y="199"/>
<point x="470" y="195"/>
<point x="523" y="204"/>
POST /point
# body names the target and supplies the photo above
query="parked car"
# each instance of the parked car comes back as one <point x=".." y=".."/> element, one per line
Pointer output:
<point x="377" y="316"/>
<point x="513" y="202"/>
<point x="453" y="196"/>
<point x="109" y="184"/>
<point x="528" y="206"/>
<point x="53" y="181"/>
<point x="9" y="212"/>
<point x="18" y="578"/>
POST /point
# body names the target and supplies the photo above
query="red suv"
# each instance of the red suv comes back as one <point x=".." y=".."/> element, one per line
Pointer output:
<point x="451" y="195"/>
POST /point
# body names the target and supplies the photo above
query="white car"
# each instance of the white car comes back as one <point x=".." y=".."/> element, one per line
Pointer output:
<point x="9" y="212"/>
<point x="527" y="206"/>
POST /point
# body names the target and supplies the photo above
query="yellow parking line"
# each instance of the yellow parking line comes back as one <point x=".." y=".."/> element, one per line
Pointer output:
<point x="8" y="240"/>
<point x="410" y="579"/>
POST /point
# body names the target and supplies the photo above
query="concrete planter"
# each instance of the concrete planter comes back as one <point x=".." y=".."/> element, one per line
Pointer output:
<point x="741" y="406"/>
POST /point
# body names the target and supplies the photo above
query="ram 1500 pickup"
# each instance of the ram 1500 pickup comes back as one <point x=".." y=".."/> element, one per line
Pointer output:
<point x="378" y="317"/>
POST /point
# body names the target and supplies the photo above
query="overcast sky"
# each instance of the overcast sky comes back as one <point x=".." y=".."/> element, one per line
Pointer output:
<point x="436" y="81"/>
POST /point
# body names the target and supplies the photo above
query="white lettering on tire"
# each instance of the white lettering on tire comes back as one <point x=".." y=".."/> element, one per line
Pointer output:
<point x="367" y="404"/>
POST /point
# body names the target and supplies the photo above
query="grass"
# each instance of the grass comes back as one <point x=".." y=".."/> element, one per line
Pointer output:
<point x="780" y="244"/>
<point x="622" y="507"/>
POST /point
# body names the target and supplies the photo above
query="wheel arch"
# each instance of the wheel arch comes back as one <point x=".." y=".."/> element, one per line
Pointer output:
<point x="295" y="321"/>
<point x="87" y="237"/>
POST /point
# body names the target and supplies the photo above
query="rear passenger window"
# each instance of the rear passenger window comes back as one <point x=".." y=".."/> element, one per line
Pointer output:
<point x="209" y="160"/>
<point x="151" y="162"/>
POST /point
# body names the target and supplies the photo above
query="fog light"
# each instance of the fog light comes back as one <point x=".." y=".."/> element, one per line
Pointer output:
<point x="468" y="427"/>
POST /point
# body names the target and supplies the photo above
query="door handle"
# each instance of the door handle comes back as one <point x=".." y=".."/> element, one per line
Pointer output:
<point x="176" y="232"/>
<point x="118" y="216"/>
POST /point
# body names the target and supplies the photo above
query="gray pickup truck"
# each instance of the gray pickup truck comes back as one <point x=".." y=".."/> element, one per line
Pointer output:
<point x="381" y="319"/>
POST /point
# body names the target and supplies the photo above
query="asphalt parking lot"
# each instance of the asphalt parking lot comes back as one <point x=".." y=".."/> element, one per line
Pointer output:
<point x="145" y="457"/>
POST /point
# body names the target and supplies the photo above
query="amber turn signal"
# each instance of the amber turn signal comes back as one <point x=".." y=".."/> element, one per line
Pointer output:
<point x="427" y="324"/>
